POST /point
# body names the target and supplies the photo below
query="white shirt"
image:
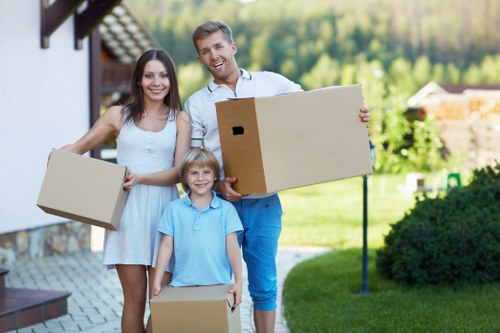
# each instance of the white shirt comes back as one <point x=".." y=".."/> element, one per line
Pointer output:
<point x="201" y="105"/>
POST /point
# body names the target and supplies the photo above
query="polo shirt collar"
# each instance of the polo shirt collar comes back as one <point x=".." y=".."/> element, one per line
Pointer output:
<point x="215" y="203"/>
<point x="244" y="75"/>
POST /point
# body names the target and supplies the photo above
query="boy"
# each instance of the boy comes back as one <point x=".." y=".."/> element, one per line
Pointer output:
<point x="200" y="230"/>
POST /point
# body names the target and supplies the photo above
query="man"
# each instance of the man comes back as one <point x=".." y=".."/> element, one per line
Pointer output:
<point x="260" y="214"/>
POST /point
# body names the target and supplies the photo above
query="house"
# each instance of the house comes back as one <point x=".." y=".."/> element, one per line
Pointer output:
<point x="61" y="65"/>
<point x="468" y="117"/>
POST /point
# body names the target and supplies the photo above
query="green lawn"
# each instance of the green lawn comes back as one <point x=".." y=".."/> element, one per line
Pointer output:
<point x="331" y="214"/>
<point x="323" y="294"/>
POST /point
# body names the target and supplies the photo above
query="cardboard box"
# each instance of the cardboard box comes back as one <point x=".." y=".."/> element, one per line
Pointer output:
<point x="83" y="189"/>
<point x="287" y="141"/>
<point x="204" y="309"/>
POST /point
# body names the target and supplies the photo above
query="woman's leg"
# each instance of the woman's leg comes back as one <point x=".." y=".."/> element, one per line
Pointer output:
<point x="167" y="277"/>
<point x="133" y="279"/>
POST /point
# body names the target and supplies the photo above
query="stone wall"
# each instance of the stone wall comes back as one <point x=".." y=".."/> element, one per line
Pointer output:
<point x="45" y="241"/>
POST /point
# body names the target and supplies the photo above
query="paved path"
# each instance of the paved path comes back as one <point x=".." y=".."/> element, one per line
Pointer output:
<point x="96" y="301"/>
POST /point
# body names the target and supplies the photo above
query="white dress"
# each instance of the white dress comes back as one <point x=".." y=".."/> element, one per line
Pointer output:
<point x="141" y="152"/>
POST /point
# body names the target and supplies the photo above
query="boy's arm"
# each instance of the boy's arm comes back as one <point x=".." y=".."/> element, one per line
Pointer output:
<point x="234" y="256"/>
<point x="164" y="254"/>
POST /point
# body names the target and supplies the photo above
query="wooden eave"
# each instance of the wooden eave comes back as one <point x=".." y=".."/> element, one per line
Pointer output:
<point x="52" y="16"/>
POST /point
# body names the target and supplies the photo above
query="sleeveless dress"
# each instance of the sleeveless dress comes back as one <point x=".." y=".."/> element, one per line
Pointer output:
<point x="141" y="152"/>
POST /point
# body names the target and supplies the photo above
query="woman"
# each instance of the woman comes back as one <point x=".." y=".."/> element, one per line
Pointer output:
<point x="152" y="136"/>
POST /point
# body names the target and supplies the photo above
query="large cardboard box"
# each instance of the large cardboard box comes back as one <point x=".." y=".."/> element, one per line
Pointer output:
<point x="206" y="309"/>
<point x="83" y="189"/>
<point x="287" y="141"/>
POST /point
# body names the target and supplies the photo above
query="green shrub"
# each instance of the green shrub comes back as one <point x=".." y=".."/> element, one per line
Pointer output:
<point x="448" y="240"/>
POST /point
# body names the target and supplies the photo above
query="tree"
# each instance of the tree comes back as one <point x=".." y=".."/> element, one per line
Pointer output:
<point x="325" y="73"/>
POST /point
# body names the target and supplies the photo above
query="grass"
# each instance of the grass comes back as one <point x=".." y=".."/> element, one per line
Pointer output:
<point x="331" y="214"/>
<point x="323" y="294"/>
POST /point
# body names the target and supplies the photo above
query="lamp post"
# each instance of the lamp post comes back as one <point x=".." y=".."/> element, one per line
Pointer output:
<point x="364" y="277"/>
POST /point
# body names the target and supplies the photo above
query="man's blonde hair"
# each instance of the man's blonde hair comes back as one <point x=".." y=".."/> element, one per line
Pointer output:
<point x="209" y="27"/>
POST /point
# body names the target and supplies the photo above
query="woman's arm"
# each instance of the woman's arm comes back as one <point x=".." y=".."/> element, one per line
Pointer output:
<point x="110" y="122"/>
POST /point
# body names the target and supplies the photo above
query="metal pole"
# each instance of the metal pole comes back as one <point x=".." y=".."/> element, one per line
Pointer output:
<point x="364" y="285"/>
<point x="364" y="278"/>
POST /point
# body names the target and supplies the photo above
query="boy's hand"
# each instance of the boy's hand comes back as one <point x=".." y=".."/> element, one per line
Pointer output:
<point x="236" y="290"/>
<point x="156" y="290"/>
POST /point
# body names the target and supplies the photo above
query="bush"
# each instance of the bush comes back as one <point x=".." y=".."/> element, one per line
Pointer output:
<point x="448" y="240"/>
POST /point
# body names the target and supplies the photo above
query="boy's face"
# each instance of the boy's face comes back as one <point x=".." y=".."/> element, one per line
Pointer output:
<point x="200" y="179"/>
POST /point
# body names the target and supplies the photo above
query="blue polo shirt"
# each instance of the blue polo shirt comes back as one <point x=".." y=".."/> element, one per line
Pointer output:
<point x="200" y="240"/>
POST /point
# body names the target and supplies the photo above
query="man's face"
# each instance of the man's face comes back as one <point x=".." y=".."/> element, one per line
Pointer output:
<point x="217" y="55"/>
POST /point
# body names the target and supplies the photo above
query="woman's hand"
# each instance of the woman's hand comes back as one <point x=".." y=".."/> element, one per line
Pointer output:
<point x="131" y="180"/>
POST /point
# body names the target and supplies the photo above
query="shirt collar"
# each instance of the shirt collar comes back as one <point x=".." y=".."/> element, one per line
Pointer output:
<point x="215" y="203"/>
<point x="244" y="74"/>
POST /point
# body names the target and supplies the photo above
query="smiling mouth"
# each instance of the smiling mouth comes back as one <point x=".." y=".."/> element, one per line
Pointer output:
<point x="218" y="65"/>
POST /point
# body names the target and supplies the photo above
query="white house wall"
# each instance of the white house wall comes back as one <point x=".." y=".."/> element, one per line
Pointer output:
<point x="44" y="103"/>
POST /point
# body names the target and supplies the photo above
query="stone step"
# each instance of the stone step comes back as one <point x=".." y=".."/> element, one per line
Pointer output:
<point x="25" y="307"/>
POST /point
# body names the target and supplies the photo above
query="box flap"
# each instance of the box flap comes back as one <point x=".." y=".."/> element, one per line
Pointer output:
<point x="323" y="134"/>
<point x="239" y="137"/>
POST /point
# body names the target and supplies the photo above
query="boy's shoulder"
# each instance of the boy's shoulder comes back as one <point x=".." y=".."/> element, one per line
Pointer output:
<point x="178" y="202"/>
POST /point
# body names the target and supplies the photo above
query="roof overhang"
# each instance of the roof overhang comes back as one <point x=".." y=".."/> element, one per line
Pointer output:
<point x="54" y="14"/>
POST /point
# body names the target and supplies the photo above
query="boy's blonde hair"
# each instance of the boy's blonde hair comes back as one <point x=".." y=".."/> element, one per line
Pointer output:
<point x="199" y="157"/>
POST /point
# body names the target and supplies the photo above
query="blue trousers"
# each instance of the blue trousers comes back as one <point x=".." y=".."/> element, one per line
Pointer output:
<point x="261" y="219"/>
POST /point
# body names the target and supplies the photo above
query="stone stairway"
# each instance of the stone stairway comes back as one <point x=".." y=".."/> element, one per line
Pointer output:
<point x="25" y="307"/>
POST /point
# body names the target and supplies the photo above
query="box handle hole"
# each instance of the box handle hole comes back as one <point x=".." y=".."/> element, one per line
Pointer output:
<point x="238" y="130"/>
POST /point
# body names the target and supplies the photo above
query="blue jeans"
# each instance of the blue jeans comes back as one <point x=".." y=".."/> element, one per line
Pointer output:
<point x="261" y="219"/>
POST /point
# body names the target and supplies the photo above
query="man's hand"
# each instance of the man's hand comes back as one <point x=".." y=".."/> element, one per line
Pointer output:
<point x="225" y="188"/>
<point x="364" y="115"/>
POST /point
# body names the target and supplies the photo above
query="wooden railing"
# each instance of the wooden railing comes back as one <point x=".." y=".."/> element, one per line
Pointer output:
<point x="116" y="76"/>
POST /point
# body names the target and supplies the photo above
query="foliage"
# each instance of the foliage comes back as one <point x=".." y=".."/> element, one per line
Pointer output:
<point x="271" y="32"/>
<point x="391" y="47"/>
<point x="448" y="240"/>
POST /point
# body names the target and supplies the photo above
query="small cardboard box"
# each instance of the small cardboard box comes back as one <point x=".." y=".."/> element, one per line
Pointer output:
<point x="83" y="189"/>
<point x="204" y="309"/>
<point x="287" y="141"/>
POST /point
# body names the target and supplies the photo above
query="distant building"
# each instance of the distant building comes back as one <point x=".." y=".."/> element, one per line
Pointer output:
<point x="469" y="119"/>
<point x="61" y="65"/>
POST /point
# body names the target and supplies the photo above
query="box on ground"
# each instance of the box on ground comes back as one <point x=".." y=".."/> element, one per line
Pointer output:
<point x="83" y="189"/>
<point x="204" y="309"/>
<point x="287" y="141"/>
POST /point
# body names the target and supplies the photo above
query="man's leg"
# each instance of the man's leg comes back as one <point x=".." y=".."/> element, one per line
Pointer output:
<point x="261" y="220"/>
<point x="264" y="321"/>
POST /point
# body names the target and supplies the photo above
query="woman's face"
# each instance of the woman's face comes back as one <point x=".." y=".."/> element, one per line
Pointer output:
<point x="155" y="81"/>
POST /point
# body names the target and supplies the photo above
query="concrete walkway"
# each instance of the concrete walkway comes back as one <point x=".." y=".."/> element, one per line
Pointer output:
<point x="96" y="301"/>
